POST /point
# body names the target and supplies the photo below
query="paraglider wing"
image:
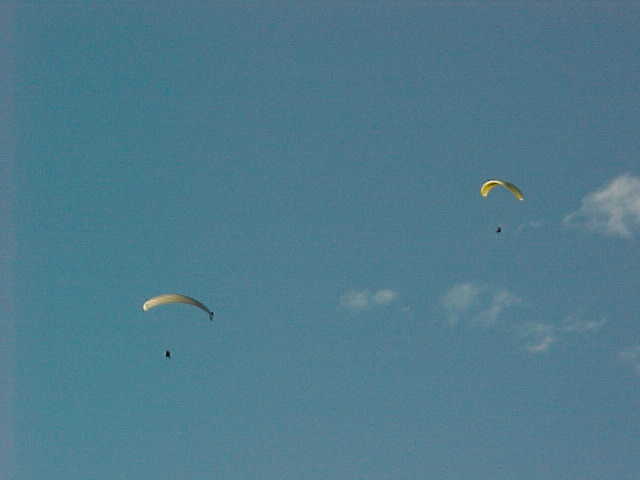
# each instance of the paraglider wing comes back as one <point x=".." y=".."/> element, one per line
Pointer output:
<point x="175" y="298"/>
<point x="491" y="184"/>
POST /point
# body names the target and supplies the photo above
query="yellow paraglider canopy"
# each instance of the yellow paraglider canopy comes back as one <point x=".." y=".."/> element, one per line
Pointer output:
<point x="175" y="298"/>
<point x="491" y="184"/>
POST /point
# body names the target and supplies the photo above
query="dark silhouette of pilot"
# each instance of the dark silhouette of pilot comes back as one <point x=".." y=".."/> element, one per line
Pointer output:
<point x="499" y="229"/>
<point x="167" y="354"/>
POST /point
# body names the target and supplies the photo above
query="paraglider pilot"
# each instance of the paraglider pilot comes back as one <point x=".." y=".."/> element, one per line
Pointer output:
<point x="167" y="354"/>
<point x="499" y="229"/>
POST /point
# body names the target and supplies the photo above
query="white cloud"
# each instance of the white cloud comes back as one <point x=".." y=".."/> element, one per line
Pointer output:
<point x="459" y="299"/>
<point x="357" y="300"/>
<point x="538" y="336"/>
<point x="354" y="300"/>
<point x="384" y="297"/>
<point x="481" y="305"/>
<point x="631" y="356"/>
<point x="575" y="324"/>
<point x="472" y="304"/>
<point x="500" y="301"/>
<point x="612" y="210"/>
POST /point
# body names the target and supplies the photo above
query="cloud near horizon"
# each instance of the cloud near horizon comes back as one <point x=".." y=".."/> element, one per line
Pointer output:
<point x="357" y="300"/>
<point x="612" y="210"/>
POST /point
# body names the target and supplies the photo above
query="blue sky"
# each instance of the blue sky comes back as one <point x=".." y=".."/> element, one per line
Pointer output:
<point x="312" y="174"/>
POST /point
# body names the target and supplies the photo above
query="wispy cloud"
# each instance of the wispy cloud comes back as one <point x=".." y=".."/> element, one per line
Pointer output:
<point x="612" y="210"/>
<point x="384" y="297"/>
<point x="533" y="224"/>
<point x="480" y="304"/>
<point x="574" y="323"/>
<point x="538" y="337"/>
<point x="631" y="356"/>
<point x="499" y="301"/>
<point x="459" y="299"/>
<point x="473" y="304"/>
<point x="357" y="300"/>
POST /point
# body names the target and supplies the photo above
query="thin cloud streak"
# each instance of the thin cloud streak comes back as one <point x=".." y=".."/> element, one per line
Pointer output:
<point x="475" y="305"/>
<point x="574" y="324"/>
<point x="481" y="305"/>
<point x="500" y="301"/>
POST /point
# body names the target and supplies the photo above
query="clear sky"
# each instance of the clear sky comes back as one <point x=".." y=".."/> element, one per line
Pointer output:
<point x="312" y="174"/>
